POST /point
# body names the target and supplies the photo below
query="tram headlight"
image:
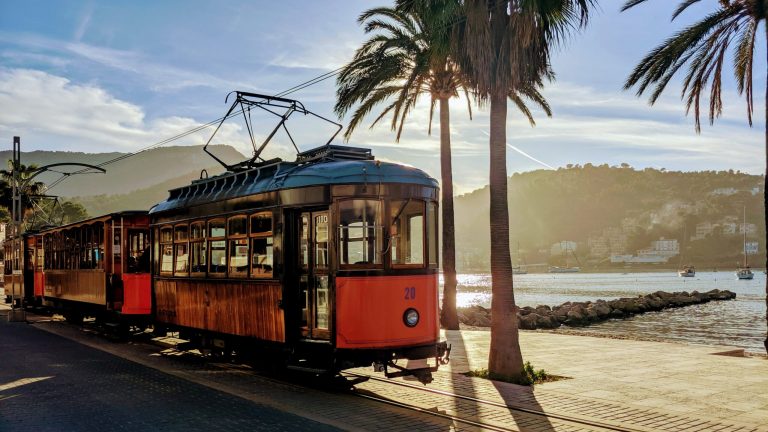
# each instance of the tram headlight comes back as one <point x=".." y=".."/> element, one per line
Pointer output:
<point x="411" y="317"/>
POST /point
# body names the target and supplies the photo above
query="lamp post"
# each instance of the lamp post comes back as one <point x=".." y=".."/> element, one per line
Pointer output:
<point x="18" y="258"/>
<point x="18" y="313"/>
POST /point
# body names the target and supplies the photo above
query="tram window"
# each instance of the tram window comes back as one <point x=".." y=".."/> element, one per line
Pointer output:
<point x="197" y="257"/>
<point x="237" y="226"/>
<point x="138" y="251"/>
<point x="261" y="223"/>
<point x="216" y="228"/>
<point x="304" y="242"/>
<point x="181" y="250"/>
<point x="166" y="247"/>
<point x="432" y="233"/>
<point x="238" y="257"/>
<point x="197" y="231"/>
<point x="166" y="265"/>
<point x="98" y="246"/>
<point x="180" y="232"/>
<point x="360" y="232"/>
<point x="156" y="251"/>
<point x="166" y="234"/>
<point x="197" y="248"/>
<point x="182" y="259"/>
<point x="218" y="257"/>
<point x="261" y="257"/>
<point x="217" y="248"/>
<point x="407" y="232"/>
<point x="321" y="241"/>
<point x="197" y="261"/>
<point x="40" y="258"/>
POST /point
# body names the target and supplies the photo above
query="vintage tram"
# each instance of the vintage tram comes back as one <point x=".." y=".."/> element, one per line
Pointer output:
<point x="321" y="264"/>
<point x="98" y="267"/>
<point x="331" y="260"/>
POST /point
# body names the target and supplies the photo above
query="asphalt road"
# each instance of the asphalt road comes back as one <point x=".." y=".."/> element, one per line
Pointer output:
<point x="48" y="383"/>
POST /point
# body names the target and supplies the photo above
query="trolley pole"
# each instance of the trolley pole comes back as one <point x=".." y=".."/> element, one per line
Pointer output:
<point x="17" y="308"/>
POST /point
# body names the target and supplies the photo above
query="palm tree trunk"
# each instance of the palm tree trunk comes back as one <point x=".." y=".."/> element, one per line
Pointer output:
<point x="505" y="359"/>
<point x="765" y="203"/>
<point x="449" y="317"/>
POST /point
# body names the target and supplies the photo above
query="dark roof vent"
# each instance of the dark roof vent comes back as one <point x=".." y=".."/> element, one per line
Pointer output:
<point x="334" y="152"/>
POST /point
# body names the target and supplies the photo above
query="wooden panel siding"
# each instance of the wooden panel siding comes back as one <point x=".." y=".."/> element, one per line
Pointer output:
<point x="240" y="308"/>
<point x="88" y="286"/>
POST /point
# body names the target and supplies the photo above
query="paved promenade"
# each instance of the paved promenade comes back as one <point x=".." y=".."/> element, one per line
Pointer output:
<point x="620" y="384"/>
<point x="611" y="385"/>
<point x="676" y="378"/>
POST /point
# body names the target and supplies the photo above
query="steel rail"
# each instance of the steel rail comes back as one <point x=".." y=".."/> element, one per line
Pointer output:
<point x="564" y="417"/>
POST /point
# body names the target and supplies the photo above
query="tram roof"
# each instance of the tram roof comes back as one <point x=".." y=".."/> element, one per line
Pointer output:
<point x="327" y="165"/>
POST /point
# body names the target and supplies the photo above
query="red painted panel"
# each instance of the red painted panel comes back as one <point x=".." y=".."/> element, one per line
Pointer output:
<point x="137" y="296"/>
<point x="369" y="311"/>
<point x="39" y="284"/>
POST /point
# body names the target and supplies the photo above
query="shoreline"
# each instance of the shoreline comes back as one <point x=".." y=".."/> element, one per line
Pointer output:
<point x="640" y="338"/>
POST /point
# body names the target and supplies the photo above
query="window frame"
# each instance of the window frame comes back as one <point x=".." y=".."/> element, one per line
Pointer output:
<point x="163" y="243"/>
<point x="202" y="240"/>
<point x="209" y="240"/>
<point x="267" y="235"/>
<point x="178" y="228"/>
<point x="378" y="229"/>
<point x="435" y="242"/>
<point x="390" y="224"/>
<point x="231" y="240"/>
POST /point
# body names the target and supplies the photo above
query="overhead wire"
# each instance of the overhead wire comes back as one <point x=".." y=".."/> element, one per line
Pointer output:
<point x="318" y="79"/>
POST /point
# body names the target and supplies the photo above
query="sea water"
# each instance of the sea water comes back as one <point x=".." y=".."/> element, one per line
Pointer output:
<point x="739" y="323"/>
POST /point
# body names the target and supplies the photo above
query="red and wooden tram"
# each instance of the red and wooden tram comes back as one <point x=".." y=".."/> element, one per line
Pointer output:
<point x="331" y="259"/>
<point x="325" y="263"/>
<point x="97" y="267"/>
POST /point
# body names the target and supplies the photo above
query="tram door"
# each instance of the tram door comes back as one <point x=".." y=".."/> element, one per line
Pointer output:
<point x="313" y="269"/>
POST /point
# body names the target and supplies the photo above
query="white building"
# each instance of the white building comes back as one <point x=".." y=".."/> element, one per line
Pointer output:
<point x="749" y="228"/>
<point x="665" y="247"/>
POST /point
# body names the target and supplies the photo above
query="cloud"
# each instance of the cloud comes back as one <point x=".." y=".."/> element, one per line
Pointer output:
<point x="157" y="76"/>
<point x="62" y="115"/>
<point x="85" y="20"/>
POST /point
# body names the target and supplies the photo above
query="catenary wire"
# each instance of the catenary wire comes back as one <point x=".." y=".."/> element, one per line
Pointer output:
<point x="298" y="87"/>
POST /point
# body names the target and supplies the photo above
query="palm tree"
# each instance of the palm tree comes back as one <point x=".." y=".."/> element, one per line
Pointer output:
<point x="703" y="46"/>
<point x="504" y="48"/>
<point x="407" y="57"/>
<point x="6" y="186"/>
<point x="400" y="62"/>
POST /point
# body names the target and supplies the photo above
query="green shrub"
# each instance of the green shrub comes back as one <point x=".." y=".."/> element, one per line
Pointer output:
<point x="529" y="377"/>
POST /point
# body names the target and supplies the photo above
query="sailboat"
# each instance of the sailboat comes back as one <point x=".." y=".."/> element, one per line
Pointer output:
<point x="688" y="270"/>
<point x="518" y="269"/>
<point x="567" y="268"/>
<point x="744" y="272"/>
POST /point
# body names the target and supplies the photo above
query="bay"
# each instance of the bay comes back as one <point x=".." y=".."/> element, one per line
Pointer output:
<point x="739" y="323"/>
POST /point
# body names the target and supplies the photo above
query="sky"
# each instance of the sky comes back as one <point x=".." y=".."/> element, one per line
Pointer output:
<point x="120" y="76"/>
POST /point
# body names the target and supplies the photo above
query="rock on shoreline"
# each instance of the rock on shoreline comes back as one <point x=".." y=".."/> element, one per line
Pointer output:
<point x="580" y="314"/>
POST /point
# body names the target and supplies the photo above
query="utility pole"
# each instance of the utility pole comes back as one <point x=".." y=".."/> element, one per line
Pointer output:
<point x="18" y="313"/>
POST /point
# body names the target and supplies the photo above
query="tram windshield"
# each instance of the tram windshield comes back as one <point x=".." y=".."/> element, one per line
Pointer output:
<point x="360" y="232"/>
<point x="407" y="232"/>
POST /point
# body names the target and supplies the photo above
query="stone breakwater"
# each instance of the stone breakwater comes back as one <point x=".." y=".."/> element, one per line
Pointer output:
<point x="580" y="314"/>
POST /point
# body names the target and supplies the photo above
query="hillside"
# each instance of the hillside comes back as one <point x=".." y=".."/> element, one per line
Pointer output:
<point x="622" y="207"/>
<point x="139" y="172"/>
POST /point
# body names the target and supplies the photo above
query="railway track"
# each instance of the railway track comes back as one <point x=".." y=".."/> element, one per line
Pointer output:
<point x="577" y="423"/>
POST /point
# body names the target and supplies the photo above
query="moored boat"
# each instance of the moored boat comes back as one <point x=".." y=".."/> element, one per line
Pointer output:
<point x="744" y="272"/>
<point x="687" y="271"/>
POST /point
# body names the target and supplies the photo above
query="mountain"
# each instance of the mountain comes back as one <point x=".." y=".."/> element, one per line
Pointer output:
<point x="135" y="173"/>
<point x="619" y="207"/>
